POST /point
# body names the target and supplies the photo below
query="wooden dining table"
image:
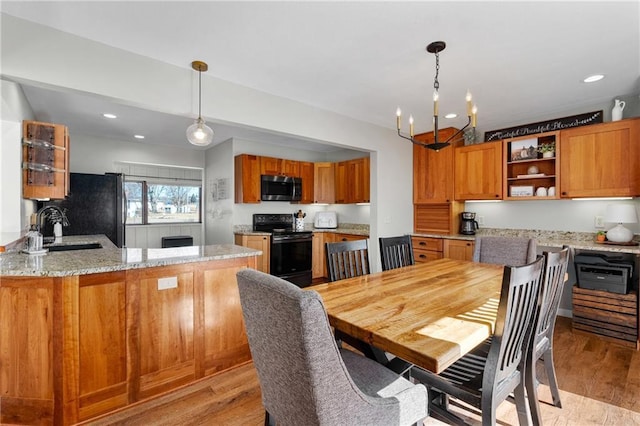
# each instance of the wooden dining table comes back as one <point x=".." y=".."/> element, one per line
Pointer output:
<point x="429" y="314"/>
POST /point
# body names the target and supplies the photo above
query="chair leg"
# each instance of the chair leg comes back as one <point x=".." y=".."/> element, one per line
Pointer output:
<point x="531" y="385"/>
<point x="551" y="374"/>
<point x="521" y="406"/>
<point x="268" y="420"/>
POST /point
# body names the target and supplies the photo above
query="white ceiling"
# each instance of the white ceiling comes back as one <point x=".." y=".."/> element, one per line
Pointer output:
<point x="523" y="61"/>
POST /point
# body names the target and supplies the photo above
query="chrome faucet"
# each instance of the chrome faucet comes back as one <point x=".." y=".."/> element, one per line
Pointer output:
<point x="56" y="212"/>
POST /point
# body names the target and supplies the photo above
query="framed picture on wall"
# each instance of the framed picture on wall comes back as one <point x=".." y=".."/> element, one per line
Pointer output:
<point x="526" y="149"/>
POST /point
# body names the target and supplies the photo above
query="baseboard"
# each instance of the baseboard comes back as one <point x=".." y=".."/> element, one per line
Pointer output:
<point x="565" y="313"/>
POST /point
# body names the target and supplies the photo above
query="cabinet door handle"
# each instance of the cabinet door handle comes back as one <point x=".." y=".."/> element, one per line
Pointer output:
<point x="422" y="256"/>
<point x="344" y="239"/>
<point x="422" y="243"/>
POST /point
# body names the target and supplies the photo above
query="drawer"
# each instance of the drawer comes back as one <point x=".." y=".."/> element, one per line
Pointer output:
<point x="427" y="243"/>
<point x="421" y="256"/>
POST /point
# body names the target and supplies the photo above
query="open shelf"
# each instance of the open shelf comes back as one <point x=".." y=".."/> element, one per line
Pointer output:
<point x="526" y="170"/>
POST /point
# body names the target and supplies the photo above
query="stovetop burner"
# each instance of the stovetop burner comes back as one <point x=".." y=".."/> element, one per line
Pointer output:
<point x="276" y="223"/>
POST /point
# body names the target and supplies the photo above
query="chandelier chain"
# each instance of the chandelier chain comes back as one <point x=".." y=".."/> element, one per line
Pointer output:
<point x="436" y="83"/>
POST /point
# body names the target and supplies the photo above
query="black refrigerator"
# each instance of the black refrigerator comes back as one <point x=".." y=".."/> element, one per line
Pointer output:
<point x="95" y="205"/>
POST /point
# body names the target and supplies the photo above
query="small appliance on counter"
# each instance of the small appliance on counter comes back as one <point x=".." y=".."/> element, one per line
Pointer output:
<point x="468" y="223"/>
<point x="326" y="220"/>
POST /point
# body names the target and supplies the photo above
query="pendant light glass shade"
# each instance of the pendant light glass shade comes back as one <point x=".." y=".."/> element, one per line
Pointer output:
<point x="199" y="133"/>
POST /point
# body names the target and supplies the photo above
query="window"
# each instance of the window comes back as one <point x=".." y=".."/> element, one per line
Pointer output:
<point x="153" y="203"/>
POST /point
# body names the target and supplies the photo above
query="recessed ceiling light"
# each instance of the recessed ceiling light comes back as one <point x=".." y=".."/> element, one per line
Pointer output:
<point x="107" y="115"/>
<point x="593" y="78"/>
<point x="451" y="115"/>
<point x="138" y="136"/>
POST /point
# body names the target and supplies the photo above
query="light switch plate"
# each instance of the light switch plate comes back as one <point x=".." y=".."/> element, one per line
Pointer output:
<point x="167" y="283"/>
<point x="598" y="222"/>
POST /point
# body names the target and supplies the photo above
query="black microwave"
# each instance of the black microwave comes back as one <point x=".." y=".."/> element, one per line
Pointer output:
<point x="280" y="188"/>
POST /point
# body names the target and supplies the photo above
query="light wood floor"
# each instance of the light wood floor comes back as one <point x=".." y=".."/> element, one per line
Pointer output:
<point x="599" y="382"/>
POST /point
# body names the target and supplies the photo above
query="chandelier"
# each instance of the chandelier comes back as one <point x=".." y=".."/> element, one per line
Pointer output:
<point x="436" y="47"/>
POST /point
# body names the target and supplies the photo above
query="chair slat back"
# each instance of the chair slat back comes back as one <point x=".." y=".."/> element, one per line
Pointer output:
<point x="550" y="292"/>
<point x="514" y="323"/>
<point x="347" y="259"/>
<point x="396" y="252"/>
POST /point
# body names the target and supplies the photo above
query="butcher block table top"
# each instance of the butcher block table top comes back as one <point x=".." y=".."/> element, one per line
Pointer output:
<point x="429" y="314"/>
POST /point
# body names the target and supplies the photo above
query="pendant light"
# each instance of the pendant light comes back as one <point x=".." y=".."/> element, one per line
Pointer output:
<point x="199" y="133"/>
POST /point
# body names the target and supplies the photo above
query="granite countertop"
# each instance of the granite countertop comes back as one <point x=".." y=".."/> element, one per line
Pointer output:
<point x="576" y="240"/>
<point x="344" y="228"/>
<point x="110" y="258"/>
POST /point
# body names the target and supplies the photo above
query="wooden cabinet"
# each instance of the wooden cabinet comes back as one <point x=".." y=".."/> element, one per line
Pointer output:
<point x="45" y="161"/>
<point x="601" y="160"/>
<point x="458" y="249"/>
<point x="426" y="249"/>
<point x="279" y="166"/>
<point x="72" y="348"/>
<point x="323" y="181"/>
<point x="352" y="181"/>
<point x="257" y="242"/>
<point x="434" y="208"/>
<point x="611" y="316"/>
<point x="520" y="156"/>
<point x="341" y="184"/>
<point x="478" y="171"/>
<point x="340" y="236"/>
<point x="247" y="178"/>
<point x="319" y="262"/>
<point x="307" y="172"/>
<point x="432" y="170"/>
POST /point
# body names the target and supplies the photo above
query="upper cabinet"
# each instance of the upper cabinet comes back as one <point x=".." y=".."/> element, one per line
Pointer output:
<point x="601" y="160"/>
<point x="352" y="181"/>
<point x="45" y="161"/>
<point x="478" y="171"/>
<point x="247" y="178"/>
<point x="308" y="182"/>
<point x="323" y="181"/>
<point x="344" y="182"/>
<point x="432" y="177"/>
<point x="279" y="166"/>
<point x="531" y="163"/>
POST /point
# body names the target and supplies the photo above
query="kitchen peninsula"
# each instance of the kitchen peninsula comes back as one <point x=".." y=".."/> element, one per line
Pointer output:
<point x="85" y="332"/>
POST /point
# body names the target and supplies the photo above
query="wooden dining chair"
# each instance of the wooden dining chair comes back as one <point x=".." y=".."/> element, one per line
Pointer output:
<point x="396" y="252"/>
<point x="512" y="251"/>
<point x="305" y="379"/>
<point x="346" y="259"/>
<point x="489" y="373"/>
<point x="542" y="338"/>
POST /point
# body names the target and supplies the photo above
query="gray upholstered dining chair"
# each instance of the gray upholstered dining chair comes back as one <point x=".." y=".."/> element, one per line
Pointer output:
<point x="512" y="251"/>
<point x="304" y="377"/>
<point x="396" y="252"/>
<point x="490" y="372"/>
<point x="346" y="259"/>
<point x="542" y="339"/>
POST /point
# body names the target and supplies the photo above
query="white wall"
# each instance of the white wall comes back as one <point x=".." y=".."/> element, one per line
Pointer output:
<point x="14" y="211"/>
<point x="79" y="64"/>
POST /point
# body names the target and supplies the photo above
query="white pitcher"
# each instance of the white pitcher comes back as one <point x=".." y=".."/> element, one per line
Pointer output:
<point x="616" y="112"/>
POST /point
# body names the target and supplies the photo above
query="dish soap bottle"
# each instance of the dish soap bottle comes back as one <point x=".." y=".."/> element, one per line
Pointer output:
<point x="57" y="230"/>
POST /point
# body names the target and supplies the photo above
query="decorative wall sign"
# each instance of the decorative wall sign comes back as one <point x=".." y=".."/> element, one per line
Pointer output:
<point x="545" y="126"/>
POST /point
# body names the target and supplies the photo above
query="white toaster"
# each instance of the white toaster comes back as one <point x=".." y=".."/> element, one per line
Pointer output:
<point x="325" y="220"/>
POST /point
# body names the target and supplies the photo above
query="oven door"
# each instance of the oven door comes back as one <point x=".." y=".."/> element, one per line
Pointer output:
<point x="291" y="258"/>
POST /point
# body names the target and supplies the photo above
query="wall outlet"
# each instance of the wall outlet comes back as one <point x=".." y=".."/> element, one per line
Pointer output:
<point x="480" y="220"/>
<point x="598" y="222"/>
<point x="167" y="283"/>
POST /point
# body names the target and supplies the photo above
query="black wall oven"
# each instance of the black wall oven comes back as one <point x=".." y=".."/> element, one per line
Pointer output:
<point x="290" y="249"/>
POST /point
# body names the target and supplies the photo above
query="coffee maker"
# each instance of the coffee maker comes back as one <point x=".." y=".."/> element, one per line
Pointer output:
<point x="468" y="223"/>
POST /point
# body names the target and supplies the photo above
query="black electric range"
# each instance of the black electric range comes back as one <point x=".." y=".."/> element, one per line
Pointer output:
<point x="291" y="252"/>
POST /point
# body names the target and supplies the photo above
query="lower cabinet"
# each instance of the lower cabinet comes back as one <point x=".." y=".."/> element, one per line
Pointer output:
<point x="257" y="242"/>
<point x="72" y="348"/>
<point x="319" y="263"/>
<point x="609" y="315"/>
<point x="426" y="249"/>
<point x="458" y="249"/>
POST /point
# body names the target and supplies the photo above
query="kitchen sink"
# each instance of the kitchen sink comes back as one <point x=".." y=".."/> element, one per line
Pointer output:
<point x="67" y="247"/>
